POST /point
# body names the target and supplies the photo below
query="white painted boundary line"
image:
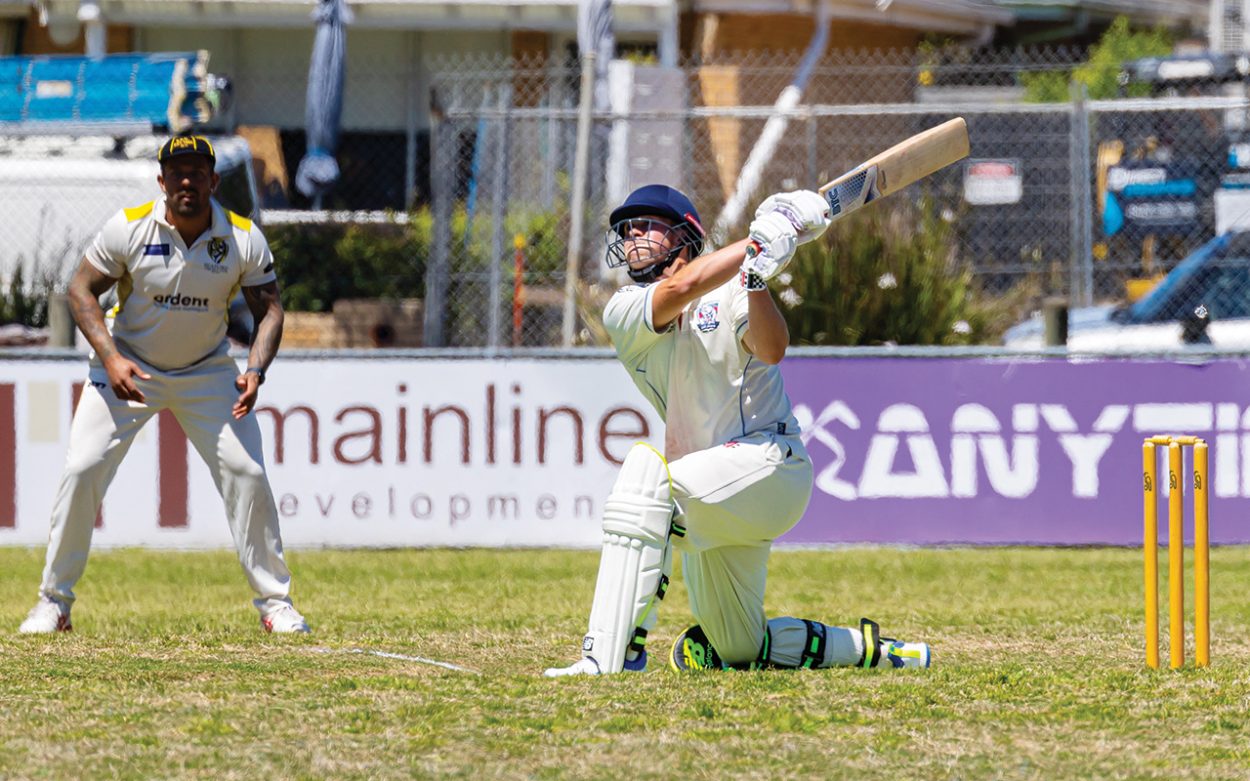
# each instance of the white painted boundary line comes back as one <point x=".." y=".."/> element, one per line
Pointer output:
<point x="389" y="655"/>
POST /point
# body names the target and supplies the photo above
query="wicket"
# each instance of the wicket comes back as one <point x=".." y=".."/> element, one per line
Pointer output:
<point x="1176" y="552"/>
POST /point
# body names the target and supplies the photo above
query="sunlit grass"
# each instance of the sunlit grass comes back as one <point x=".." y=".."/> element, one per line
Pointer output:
<point x="1038" y="673"/>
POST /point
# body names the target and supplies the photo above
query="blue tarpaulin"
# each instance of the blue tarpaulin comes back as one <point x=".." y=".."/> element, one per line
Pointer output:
<point x="167" y="91"/>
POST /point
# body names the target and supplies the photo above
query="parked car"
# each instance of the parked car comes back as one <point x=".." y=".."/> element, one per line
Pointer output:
<point x="1205" y="300"/>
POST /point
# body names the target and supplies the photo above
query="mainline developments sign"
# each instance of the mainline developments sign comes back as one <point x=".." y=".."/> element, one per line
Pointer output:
<point x="394" y="452"/>
<point x="359" y="452"/>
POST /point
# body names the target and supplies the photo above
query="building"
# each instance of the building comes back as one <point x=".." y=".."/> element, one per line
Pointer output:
<point x="263" y="46"/>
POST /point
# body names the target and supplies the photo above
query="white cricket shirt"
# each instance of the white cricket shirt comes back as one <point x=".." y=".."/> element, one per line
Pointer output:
<point x="173" y="300"/>
<point x="696" y="373"/>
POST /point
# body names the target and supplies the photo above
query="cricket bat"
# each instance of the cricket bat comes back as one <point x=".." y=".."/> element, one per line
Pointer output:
<point x="895" y="168"/>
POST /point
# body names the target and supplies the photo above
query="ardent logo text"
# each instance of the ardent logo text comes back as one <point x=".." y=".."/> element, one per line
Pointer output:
<point x="180" y="301"/>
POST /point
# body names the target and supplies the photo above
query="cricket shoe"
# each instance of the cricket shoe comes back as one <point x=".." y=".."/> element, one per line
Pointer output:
<point x="693" y="651"/>
<point x="900" y="654"/>
<point x="285" y="620"/>
<point x="588" y="666"/>
<point x="47" y="616"/>
<point x="890" y="652"/>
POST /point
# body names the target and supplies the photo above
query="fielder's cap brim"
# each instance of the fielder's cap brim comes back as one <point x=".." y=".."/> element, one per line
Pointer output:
<point x="186" y="145"/>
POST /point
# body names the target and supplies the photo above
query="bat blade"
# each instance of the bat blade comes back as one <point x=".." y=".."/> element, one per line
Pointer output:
<point x="902" y="164"/>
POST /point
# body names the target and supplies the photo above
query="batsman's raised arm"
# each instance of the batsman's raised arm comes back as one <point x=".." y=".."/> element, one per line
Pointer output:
<point x="673" y="293"/>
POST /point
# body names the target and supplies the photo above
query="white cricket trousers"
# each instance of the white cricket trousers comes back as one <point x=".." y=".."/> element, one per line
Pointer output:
<point x="104" y="427"/>
<point x="735" y="499"/>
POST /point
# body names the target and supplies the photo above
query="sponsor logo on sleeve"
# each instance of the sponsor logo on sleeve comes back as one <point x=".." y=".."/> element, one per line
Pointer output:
<point x="267" y="269"/>
<point x="161" y="250"/>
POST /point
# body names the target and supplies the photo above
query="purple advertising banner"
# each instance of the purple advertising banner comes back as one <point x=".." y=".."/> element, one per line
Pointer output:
<point x="996" y="450"/>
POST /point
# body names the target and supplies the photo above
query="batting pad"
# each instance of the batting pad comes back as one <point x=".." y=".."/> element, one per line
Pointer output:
<point x="636" y="560"/>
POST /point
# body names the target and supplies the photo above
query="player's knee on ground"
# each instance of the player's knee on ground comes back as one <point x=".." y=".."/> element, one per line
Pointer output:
<point x="636" y="560"/>
<point x="739" y="649"/>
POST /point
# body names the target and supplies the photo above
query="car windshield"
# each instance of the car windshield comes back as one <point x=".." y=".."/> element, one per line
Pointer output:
<point x="1216" y="276"/>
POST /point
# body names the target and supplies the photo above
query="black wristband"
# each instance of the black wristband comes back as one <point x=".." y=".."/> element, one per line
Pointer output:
<point x="259" y="372"/>
<point x="751" y="281"/>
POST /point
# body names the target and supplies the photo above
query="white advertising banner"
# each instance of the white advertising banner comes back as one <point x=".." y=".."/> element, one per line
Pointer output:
<point x="359" y="453"/>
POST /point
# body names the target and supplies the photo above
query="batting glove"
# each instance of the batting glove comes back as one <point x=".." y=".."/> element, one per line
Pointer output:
<point x="773" y="242"/>
<point x="807" y="211"/>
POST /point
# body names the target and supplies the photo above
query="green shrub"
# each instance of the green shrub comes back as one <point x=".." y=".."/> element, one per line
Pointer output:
<point x="319" y="264"/>
<point x="887" y="276"/>
<point x="22" y="303"/>
<point x="1100" y="73"/>
<point x="26" y="302"/>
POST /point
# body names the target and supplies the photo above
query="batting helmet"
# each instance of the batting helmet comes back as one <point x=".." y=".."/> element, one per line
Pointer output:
<point x="656" y="200"/>
<point x="662" y="200"/>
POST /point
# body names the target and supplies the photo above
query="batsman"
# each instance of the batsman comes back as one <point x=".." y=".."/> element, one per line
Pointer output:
<point x="701" y="337"/>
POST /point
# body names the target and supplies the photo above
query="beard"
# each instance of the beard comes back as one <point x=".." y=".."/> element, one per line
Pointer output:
<point x="188" y="204"/>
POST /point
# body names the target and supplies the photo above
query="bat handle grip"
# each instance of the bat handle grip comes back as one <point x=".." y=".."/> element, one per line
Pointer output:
<point x="753" y="248"/>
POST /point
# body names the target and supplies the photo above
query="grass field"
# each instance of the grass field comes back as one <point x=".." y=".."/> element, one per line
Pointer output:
<point x="1038" y="673"/>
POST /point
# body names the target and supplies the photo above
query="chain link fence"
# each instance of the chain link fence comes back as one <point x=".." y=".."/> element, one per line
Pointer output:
<point x="1063" y="195"/>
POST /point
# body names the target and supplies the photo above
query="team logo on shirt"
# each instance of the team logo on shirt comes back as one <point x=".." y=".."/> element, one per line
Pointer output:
<point x="707" y="317"/>
<point x="217" y="249"/>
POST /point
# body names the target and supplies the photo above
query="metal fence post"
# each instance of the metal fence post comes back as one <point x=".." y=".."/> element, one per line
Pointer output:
<point x="578" y="201"/>
<point x="60" y="321"/>
<point x="1055" y="321"/>
<point x="443" y="162"/>
<point x="411" y="90"/>
<point x="554" y="101"/>
<point x="813" y="161"/>
<point x="499" y="212"/>
<point x="1087" y="206"/>
<point x="1081" y="281"/>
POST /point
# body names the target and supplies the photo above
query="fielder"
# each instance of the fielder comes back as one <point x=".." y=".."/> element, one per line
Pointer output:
<point x="701" y="337"/>
<point x="176" y="263"/>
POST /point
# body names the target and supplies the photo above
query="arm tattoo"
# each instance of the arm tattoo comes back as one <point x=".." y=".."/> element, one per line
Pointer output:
<point x="266" y="310"/>
<point x="84" y="300"/>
